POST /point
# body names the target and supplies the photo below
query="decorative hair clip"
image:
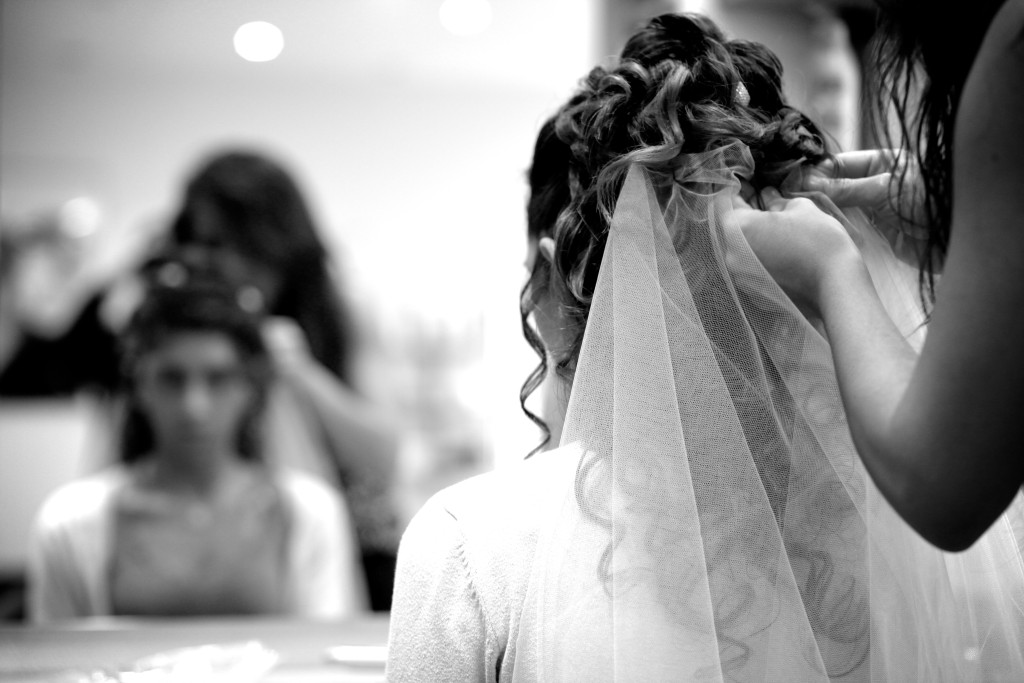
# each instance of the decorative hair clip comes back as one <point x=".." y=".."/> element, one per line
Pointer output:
<point x="172" y="274"/>
<point x="250" y="299"/>
<point x="740" y="95"/>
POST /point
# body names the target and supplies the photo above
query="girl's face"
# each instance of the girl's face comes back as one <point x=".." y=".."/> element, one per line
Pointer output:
<point x="195" y="392"/>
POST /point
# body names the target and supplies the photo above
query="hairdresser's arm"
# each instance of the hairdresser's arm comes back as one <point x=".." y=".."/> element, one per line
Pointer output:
<point x="360" y="435"/>
<point x="928" y="448"/>
<point x="940" y="435"/>
<point x="816" y="262"/>
<point x="965" y="395"/>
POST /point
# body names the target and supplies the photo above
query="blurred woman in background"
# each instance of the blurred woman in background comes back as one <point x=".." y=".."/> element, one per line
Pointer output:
<point x="244" y="212"/>
<point x="194" y="521"/>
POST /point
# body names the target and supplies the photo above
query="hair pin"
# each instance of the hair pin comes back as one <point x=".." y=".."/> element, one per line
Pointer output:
<point x="172" y="274"/>
<point x="740" y="95"/>
<point x="250" y="299"/>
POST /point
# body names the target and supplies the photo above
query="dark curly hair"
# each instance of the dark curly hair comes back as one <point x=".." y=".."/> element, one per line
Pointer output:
<point x="924" y="52"/>
<point x="672" y="93"/>
<point x="180" y="298"/>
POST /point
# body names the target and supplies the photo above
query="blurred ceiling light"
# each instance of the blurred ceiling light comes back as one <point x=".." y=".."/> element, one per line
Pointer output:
<point x="258" y="41"/>
<point x="466" y="17"/>
<point x="79" y="217"/>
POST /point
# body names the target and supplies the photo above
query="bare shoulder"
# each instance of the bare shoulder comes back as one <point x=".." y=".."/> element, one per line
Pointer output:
<point x="1008" y="20"/>
<point x="992" y="96"/>
<point x="989" y="140"/>
<point x="1005" y="32"/>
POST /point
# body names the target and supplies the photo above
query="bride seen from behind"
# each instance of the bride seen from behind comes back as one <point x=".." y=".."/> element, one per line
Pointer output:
<point x="704" y="515"/>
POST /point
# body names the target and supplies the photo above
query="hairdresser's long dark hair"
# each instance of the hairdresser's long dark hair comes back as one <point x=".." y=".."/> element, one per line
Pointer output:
<point x="246" y="201"/>
<point x="924" y="51"/>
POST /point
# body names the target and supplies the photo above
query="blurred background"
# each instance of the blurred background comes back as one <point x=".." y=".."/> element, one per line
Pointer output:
<point x="409" y="126"/>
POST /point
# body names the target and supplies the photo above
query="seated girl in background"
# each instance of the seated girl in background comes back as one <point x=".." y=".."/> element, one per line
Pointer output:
<point x="244" y="211"/>
<point x="192" y="522"/>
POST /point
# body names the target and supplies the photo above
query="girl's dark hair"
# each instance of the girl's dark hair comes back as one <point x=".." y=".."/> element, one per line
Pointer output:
<point x="549" y="196"/>
<point x="672" y="93"/>
<point x="246" y="202"/>
<point x="923" y="51"/>
<point x="180" y="299"/>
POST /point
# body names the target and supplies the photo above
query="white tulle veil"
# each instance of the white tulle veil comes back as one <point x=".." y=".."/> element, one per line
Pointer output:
<point x="720" y="526"/>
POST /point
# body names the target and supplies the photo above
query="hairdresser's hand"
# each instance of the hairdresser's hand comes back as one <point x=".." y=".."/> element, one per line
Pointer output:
<point x="295" y="367"/>
<point x="286" y="343"/>
<point x="804" y="249"/>
<point x="864" y="180"/>
<point x="860" y="179"/>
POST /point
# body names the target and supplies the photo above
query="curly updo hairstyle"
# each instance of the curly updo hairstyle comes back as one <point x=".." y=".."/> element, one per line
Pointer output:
<point x="673" y="92"/>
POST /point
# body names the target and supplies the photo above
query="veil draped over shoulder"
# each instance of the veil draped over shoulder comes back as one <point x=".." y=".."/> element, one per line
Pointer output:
<point x="720" y="526"/>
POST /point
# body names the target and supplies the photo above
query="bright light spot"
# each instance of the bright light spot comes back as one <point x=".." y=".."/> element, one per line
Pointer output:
<point x="80" y="217"/>
<point x="971" y="654"/>
<point x="466" y="17"/>
<point x="258" y="41"/>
